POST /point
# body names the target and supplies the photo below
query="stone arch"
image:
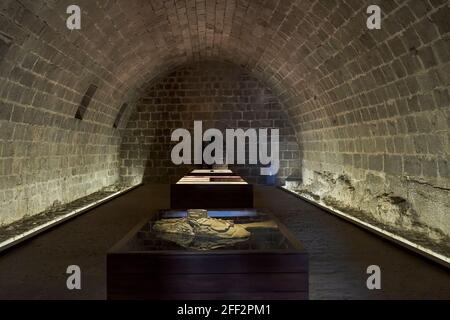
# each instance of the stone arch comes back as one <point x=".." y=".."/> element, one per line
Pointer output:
<point x="368" y="107"/>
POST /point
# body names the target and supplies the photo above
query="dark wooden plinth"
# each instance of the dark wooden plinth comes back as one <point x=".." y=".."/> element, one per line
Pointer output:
<point x="246" y="273"/>
<point x="208" y="276"/>
<point x="211" y="196"/>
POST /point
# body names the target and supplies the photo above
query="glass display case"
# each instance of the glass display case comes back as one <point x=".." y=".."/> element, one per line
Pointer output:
<point x="228" y="254"/>
<point x="211" y="190"/>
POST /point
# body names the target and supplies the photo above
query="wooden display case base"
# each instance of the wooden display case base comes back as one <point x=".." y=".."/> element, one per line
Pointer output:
<point x="271" y="265"/>
<point x="209" y="276"/>
<point x="198" y="196"/>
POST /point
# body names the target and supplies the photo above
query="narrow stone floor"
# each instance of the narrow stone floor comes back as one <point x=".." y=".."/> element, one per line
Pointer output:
<point x="339" y="252"/>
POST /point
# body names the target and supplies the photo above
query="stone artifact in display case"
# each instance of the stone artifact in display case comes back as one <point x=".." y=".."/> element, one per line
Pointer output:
<point x="230" y="254"/>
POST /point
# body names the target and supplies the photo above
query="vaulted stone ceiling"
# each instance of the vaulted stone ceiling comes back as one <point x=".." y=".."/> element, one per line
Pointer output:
<point x="315" y="53"/>
<point x="360" y="100"/>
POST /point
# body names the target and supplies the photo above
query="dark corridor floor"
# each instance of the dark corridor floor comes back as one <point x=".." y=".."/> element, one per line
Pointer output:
<point x="339" y="252"/>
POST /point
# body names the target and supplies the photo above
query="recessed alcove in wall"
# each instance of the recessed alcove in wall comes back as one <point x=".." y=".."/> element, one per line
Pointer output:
<point x="221" y="95"/>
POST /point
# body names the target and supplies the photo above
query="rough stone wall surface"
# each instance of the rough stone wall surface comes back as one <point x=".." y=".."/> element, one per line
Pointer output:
<point x="376" y="116"/>
<point x="42" y="165"/>
<point x="222" y="96"/>
<point x="46" y="155"/>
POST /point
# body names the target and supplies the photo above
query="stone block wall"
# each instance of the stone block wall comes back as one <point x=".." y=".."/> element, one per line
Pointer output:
<point x="42" y="165"/>
<point x="373" y="117"/>
<point x="222" y="96"/>
<point x="47" y="156"/>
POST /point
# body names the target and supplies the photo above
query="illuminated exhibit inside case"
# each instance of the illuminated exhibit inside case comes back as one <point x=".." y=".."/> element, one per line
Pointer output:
<point x="228" y="254"/>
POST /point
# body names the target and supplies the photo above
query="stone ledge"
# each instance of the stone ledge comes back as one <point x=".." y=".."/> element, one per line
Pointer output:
<point x="22" y="230"/>
<point x="424" y="251"/>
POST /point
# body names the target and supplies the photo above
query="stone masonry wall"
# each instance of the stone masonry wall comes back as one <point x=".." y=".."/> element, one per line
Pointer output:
<point x="42" y="165"/>
<point x="222" y="96"/>
<point x="373" y="119"/>
<point x="47" y="156"/>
